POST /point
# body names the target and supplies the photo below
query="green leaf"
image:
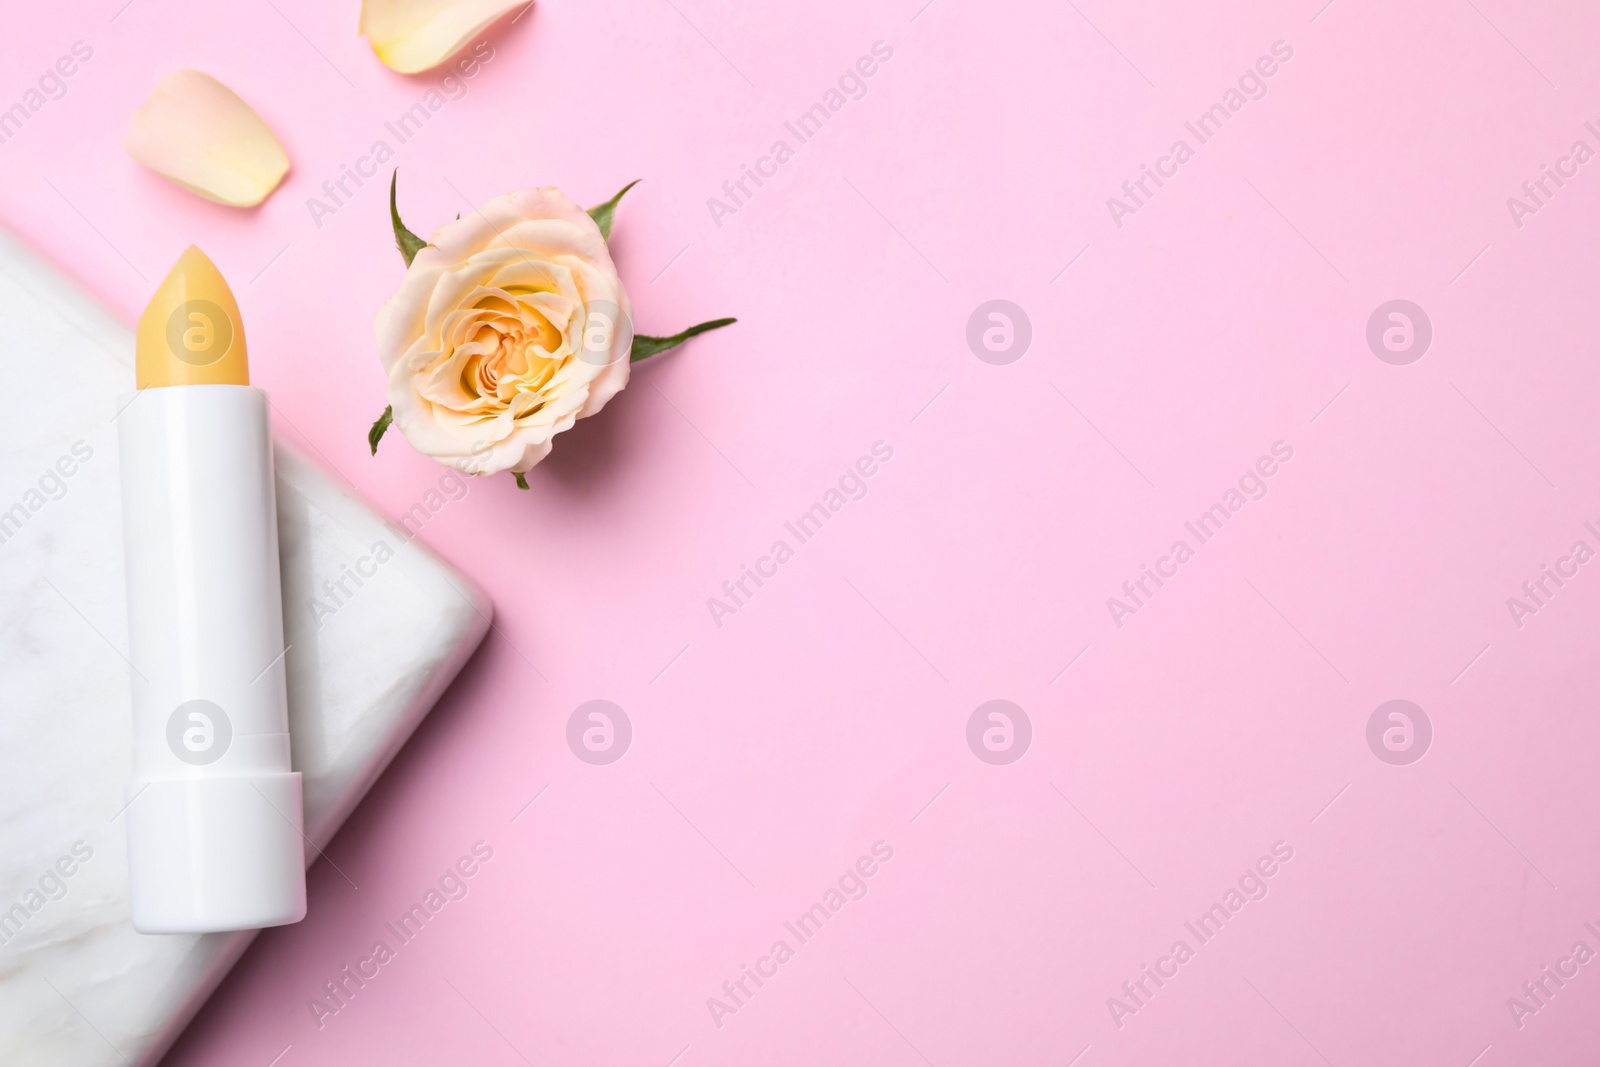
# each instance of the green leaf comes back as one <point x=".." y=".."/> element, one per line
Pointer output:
<point x="408" y="243"/>
<point x="522" y="482"/>
<point x="645" y="347"/>
<point x="603" y="213"/>
<point x="375" y="434"/>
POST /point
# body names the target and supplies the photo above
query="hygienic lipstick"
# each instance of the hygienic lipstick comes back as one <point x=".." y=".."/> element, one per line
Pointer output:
<point x="214" y="809"/>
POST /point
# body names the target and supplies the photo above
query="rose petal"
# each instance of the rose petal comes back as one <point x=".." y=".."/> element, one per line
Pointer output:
<point x="196" y="132"/>
<point x="414" y="35"/>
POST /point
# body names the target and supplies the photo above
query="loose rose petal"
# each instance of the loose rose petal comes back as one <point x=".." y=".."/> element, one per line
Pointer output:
<point x="416" y="35"/>
<point x="196" y="132"/>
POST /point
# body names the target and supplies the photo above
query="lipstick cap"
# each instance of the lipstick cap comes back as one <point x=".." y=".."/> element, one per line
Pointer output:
<point x="216" y="853"/>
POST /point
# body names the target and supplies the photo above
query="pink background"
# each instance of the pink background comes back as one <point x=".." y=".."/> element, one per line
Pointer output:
<point x="768" y="754"/>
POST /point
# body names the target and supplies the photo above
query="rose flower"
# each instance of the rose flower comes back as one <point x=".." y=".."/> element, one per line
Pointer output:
<point x="510" y="326"/>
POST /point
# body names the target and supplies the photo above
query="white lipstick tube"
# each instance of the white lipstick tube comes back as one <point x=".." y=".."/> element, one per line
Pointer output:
<point x="214" y="812"/>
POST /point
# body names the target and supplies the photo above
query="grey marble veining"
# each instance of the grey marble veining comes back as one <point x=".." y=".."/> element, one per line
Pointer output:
<point x="77" y="984"/>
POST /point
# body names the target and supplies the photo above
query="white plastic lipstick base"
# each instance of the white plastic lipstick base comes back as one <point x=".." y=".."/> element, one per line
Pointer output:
<point x="214" y="809"/>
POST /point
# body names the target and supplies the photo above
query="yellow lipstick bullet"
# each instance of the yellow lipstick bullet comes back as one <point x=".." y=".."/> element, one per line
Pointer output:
<point x="191" y="333"/>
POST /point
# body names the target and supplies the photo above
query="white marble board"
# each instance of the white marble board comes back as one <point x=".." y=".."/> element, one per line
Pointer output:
<point x="77" y="984"/>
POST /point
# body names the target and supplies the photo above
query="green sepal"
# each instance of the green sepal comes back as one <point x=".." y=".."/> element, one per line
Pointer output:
<point x="408" y="243"/>
<point x="645" y="347"/>
<point x="379" y="428"/>
<point x="604" y="213"/>
<point x="522" y="482"/>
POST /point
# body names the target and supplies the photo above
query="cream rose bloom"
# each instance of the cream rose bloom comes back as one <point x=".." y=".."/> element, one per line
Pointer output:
<point x="509" y="327"/>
